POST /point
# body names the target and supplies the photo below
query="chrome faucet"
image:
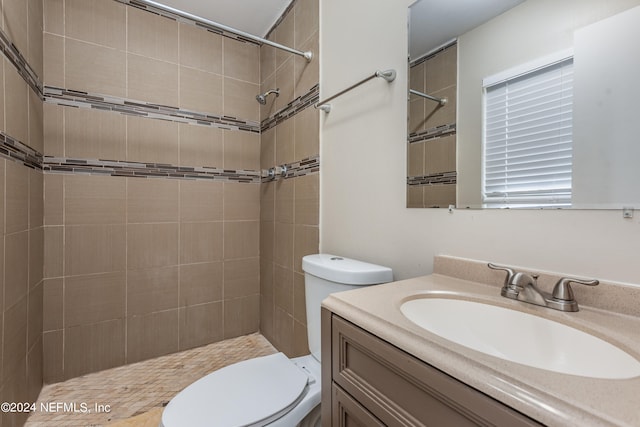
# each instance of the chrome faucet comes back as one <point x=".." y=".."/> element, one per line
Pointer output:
<point x="524" y="287"/>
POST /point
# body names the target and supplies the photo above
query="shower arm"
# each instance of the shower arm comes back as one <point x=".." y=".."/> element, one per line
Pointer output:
<point x="212" y="24"/>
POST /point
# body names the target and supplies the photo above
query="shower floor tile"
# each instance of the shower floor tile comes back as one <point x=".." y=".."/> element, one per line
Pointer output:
<point x="114" y="396"/>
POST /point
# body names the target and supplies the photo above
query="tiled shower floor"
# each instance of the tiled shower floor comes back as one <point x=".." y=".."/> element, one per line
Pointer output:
<point x="140" y="388"/>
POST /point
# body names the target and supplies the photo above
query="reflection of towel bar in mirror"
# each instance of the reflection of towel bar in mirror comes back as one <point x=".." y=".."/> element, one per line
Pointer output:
<point x="388" y="75"/>
<point x="441" y="101"/>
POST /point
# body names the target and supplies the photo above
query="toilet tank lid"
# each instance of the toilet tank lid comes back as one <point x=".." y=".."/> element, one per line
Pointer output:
<point x="344" y="270"/>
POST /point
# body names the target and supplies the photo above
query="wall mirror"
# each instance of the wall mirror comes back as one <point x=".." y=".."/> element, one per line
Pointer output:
<point x="478" y="56"/>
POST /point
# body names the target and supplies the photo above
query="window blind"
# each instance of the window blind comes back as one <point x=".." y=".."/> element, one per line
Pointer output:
<point x="528" y="139"/>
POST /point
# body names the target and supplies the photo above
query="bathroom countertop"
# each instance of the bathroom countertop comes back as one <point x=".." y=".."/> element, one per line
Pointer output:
<point x="551" y="398"/>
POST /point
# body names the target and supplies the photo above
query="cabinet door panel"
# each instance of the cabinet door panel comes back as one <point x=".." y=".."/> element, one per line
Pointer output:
<point x="346" y="412"/>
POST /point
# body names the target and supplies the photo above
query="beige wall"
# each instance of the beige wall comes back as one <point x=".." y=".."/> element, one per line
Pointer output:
<point x="140" y="267"/>
<point x="363" y="150"/>
<point x="289" y="207"/>
<point x="21" y="211"/>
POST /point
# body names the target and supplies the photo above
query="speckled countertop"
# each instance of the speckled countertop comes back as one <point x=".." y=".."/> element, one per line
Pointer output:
<point x="550" y="398"/>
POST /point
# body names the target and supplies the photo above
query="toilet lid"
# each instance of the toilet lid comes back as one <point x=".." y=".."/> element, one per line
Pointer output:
<point x="250" y="393"/>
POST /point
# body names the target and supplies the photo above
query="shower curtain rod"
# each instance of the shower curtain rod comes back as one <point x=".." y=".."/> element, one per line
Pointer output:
<point x="441" y="101"/>
<point x="207" y="23"/>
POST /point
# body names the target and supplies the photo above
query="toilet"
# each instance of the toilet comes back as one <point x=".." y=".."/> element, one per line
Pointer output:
<point x="274" y="390"/>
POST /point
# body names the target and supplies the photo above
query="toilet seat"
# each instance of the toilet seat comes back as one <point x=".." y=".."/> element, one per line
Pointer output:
<point x="254" y="392"/>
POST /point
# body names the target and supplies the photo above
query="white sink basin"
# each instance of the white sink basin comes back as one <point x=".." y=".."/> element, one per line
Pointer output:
<point x="522" y="338"/>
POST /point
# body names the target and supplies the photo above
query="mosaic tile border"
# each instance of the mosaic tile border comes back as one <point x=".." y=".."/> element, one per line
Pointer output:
<point x="433" y="133"/>
<point x="174" y="17"/>
<point x="79" y="99"/>
<point x="145" y="170"/>
<point x="13" y="55"/>
<point x="434" y="179"/>
<point x="291" y="109"/>
<point x="12" y="149"/>
<point x="303" y="167"/>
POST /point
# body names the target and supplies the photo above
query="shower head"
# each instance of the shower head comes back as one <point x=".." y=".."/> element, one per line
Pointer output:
<point x="262" y="98"/>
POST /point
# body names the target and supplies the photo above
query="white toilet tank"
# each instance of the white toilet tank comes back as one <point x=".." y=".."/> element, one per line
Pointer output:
<point x="326" y="274"/>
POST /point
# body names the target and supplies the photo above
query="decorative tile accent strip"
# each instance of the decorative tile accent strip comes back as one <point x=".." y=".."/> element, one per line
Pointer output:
<point x="292" y="108"/>
<point x="150" y="8"/>
<point x="74" y="98"/>
<point x="11" y="52"/>
<point x="307" y="166"/>
<point x="12" y="149"/>
<point x="433" y="133"/>
<point x="145" y="170"/>
<point x="435" y="179"/>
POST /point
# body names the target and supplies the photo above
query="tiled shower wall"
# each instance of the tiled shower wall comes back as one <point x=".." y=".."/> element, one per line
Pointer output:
<point x="431" y="162"/>
<point x="139" y="263"/>
<point x="21" y="211"/>
<point x="289" y="206"/>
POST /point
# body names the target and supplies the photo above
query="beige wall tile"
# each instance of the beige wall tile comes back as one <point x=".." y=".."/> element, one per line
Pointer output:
<point x="417" y="118"/>
<point x="91" y="348"/>
<point x="299" y="302"/>
<point x="96" y="21"/>
<point x="300" y="341"/>
<point x="36" y="255"/>
<point x="201" y="283"/>
<point x="93" y="249"/>
<point x="201" y="201"/>
<point x="440" y="155"/>
<point x="414" y="196"/>
<point x="16" y="267"/>
<point x="284" y="34"/>
<point x="285" y="142"/>
<point x="151" y="290"/>
<point x="241" y="60"/>
<point x="54" y="16"/>
<point x="441" y="70"/>
<point x="306" y="21"/>
<point x="53" y="251"/>
<point x="241" y="201"/>
<point x="267" y="62"/>
<point x="152" y="200"/>
<point x="439" y="195"/>
<point x="267" y="240"/>
<point x="266" y="277"/>
<point x="15" y="23"/>
<point x="152" y="335"/>
<point x="105" y="73"/>
<point x="200" y="325"/>
<point x="241" y="150"/>
<point x="283" y="331"/>
<point x="241" y="239"/>
<point x="2" y="195"/>
<point x="307" y="137"/>
<point x="307" y="74"/>
<point x="283" y="288"/>
<point x="200" y="49"/>
<point x="201" y="146"/>
<point x="36" y="198"/>
<point x="307" y="199"/>
<point x="200" y="91"/>
<point x="154" y="141"/>
<point x="94" y="298"/>
<point x="152" y="35"/>
<point x="53" y="73"/>
<point x="284" y="80"/>
<point x="17" y="197"/>
<point x="53" y="303"/>
<point x="417" y="79"/>
<point x="94" y="199"/>
<point x="241" y="316"/>
<point x="239" y="99"/>
<point x="36" y="25"/>
<point x="241" y="278"/>
<point x="53" y="199"/>
<point x="36" y="131"/>
<point x="306" y="243"/>
<point x="16" y="117"/>
<point x="151" y="80"/>
<point x="438" y="115"/>
<point x="200" y="242"/>
<point x="53" y="130"/>
<point x="2" y="95"/>
<point x="52" y="346"/>
<point x="34" y="369"/>
<point x="283" y="245"/>
<point x="415" y="161"/>
<point x="14" y="346"/>
<point x="284" y="201"/>
<point x="268" y="149"/>
<point x="267" y="317"/>
<point x="94" y="134"/>
<point x="35" y="315"/>
<point x="152" y="245"/>
<point x="267" y="201"/>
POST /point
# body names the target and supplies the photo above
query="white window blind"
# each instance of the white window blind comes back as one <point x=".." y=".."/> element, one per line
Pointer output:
<point x="528" y="139"/>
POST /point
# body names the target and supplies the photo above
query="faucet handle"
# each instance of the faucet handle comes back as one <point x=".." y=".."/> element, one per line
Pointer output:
<point x="562" y="290"/>
<point x="510" y="272"/>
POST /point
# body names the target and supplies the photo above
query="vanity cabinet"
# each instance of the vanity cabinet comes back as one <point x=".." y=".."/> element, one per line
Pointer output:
<point x="369" y="382"/>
